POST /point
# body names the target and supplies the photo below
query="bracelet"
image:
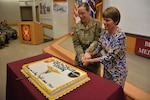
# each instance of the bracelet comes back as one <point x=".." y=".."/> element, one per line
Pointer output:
<point x="91" y="61"/>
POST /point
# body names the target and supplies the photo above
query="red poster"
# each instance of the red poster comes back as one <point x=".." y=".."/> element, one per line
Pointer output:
<point x="26" y="32"/>
<point x="142" y="47"/>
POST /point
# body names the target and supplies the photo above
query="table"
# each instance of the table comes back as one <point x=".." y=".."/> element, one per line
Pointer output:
<point x="96" y="89"/>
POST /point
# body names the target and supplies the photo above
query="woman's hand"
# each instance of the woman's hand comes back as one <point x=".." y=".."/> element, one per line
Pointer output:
<point x="86" y="62"/>
<point x="87" y="56"/>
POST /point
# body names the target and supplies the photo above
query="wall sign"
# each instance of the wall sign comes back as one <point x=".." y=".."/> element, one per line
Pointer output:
<point x="142" y="47"/>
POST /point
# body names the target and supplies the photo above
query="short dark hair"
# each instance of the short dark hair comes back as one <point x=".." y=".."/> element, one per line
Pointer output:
<point x="113" y="13"/>
<point x="84" y="4"/>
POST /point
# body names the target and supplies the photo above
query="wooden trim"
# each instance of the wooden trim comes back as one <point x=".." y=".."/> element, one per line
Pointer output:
<point x="43" y="25"/>
<point x="59" y="51"/>
<point x="70" y="55"/>
<point x="135" y="93"/>
<point x="47" y="26"/>
<point x="139" y="36"/>
<point x="13" y="24"/>
<point x="99" y="11"/>
<point x="130" y="44"/>
<point x="99" y="4"/>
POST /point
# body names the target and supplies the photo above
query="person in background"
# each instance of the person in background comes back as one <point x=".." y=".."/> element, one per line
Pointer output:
<point x="113" y="43"/>
<point x="11" y="33"/>
<point x="4" y="41"/>
<point x="85" y="36"/>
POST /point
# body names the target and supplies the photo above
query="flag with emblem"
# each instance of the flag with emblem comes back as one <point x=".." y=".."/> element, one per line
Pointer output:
<point x="93" y="4"/>
<point x="92" y="8"/>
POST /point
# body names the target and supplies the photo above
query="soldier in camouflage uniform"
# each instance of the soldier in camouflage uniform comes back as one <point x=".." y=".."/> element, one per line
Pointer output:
<point x="85" y="36"/>
<point x="11" y="33"/>
<point x="3" y="37"/>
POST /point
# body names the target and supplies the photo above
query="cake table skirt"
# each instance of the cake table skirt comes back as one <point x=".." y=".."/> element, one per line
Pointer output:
<point x="96" y="89"/>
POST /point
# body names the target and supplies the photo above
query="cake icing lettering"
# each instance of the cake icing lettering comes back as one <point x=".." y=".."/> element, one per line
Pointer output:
<point x="41" y="77"/>
<point x="62" y="66"/>
<point x="46" y="73"/>
<point x="35" y="73"/>
<point x="50" y="85"/>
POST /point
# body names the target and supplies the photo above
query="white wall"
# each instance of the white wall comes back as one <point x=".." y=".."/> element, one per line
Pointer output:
<point x="134" y="15"/>
<point x="61" y="22"/>
<point x="47" y="18"/>
<point x="9" y="10"/>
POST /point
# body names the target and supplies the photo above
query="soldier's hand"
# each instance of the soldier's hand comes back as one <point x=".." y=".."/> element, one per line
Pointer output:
<point x="86" y="62"/>
<point x="87" y="56"/>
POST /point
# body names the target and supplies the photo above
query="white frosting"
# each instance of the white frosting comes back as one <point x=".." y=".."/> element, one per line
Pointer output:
<point x="54" y="76"/>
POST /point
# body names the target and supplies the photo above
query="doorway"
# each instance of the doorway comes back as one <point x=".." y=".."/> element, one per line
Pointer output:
<point x="37" y="14"/>
<point x="26" y="13"/>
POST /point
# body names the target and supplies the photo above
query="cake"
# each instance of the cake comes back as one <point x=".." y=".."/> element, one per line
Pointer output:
<point x="54" y="77"/>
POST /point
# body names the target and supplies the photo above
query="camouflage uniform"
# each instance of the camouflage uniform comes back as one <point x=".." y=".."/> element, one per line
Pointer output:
<point x="11" y="33"/>
<point x="2" y="39"/>
<point x="85" y="40"/>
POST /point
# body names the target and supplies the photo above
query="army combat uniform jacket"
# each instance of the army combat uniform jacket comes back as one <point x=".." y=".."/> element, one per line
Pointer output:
<point x="85" y="38"/>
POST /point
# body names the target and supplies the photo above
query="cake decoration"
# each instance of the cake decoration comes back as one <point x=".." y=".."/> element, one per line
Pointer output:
<point x="54" y="77"/>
